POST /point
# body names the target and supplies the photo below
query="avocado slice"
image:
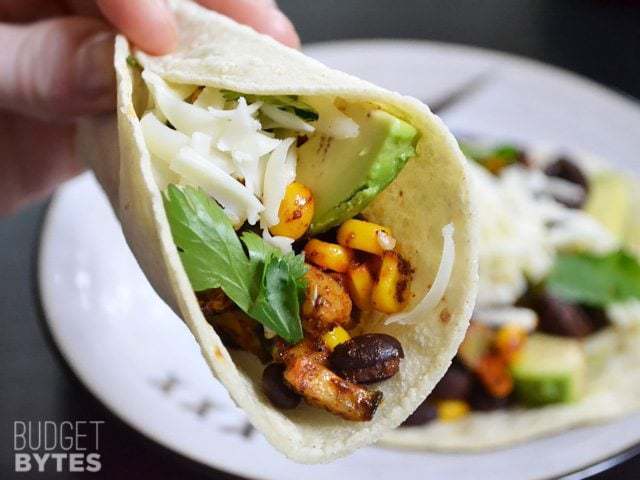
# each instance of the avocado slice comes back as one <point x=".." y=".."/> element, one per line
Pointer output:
<point x="632" y="234"/>
<point x="549" y="370"/>
<point x="609" y="201"/>
<point x="345" y="175"/>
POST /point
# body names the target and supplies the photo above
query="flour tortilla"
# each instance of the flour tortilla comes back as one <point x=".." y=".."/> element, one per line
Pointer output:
<point x="431" y="192"/>
<point x="613" y="386"/>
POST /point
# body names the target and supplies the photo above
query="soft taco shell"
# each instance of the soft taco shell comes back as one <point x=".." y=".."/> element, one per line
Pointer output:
<point x="431" y="192"/>
<point x="613" y="388"/>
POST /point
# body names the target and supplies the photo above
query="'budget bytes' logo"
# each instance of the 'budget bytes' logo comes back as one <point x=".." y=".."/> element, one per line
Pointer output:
<point x="47" y="446"/>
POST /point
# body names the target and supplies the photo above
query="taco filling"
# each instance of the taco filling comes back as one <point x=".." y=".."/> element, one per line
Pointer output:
<point x="559" y="273"/>
<point x="264" y="195"/>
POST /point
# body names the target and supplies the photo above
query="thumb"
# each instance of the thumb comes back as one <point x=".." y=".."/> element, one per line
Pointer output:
<point x="58" y="68"/>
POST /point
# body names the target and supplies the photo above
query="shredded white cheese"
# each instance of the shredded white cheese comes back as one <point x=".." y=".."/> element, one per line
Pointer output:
<point x="285" y="244"/>
<point x="279" y="173"/>
<point x="223" y="151"/>
<point x="185" y="117"/>
<point x="439" y="286"/>
<point x="386" y="241"/>
<point x="498" y="317"/>
<point x="284" y="119"/>
<point x="625" y="314"/>
<point x="522" y="227"/>
<point x="237" y="201"/>
<point x="162" y="141"/>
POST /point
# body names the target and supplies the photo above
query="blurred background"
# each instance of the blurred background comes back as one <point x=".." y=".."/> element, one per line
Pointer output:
<point x="598" y="39"/>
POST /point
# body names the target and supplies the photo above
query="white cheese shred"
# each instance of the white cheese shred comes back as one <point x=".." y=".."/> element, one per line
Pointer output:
<point x="386" y="241"/>
<point x="163" y="142"/>
<point x="284" y="244"/>
<point x="440" y="283"/>
<point x="285" y="119"/>
<point x="231" y="194"/>
<point x="501" y="316"/>
<point x="184" y="116"/>
<point x="280" y="172"/>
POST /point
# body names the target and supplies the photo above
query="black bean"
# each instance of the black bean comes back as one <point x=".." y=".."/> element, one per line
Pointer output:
<point x="275" y="388"/>
<point x="597" y="317"/>
<point x="424" y="414"/>
<point x="455" y="385"/>
<point x="481" y="400"/>
<point x="559" y="317"/>
<point x="367" y="358"/>
<point x="567" y="170"/>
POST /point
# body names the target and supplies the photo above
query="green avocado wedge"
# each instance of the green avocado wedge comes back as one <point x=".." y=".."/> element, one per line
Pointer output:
<point x="345" y="175"/>
<point x="549" y="370"/>
<point x="610" y="201"/>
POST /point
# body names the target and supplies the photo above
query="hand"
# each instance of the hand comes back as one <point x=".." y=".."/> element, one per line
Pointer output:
<point x="57" y="64"/>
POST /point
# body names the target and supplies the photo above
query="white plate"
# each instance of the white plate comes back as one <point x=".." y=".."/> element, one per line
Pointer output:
<point x="137" y="357"/>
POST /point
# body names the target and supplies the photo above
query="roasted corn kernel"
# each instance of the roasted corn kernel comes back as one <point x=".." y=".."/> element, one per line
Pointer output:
<point x="360" y="284"/>
<point x="509" y="340"/>
<point x="450" y="410"/>
<point x="389" y="292"/>
<point x="365" y="236"/>
<point x="335" y="337"/>
<point x="330" y="256"/>
<point x="295" y="213"/>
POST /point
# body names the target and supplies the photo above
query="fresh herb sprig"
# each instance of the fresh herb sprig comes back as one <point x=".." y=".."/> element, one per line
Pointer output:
<point x="595" y="280"/>
<point x="493" y="159"/>
<point x="267" y="285"/>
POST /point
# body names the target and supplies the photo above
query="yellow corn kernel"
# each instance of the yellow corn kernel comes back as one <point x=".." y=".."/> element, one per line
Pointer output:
<point x="327" y="255"/>
<point x="389" y="292"/>
<point x="509" y="340"/>
<point x="360" y="284"/>
<point x="335" y="337"/>
<point x="450" y="410"/>
<point x="295" y="213"/>
<point x="365" y="236"/>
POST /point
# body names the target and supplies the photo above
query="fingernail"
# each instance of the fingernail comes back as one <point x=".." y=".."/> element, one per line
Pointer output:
<point x="94" y="75"/>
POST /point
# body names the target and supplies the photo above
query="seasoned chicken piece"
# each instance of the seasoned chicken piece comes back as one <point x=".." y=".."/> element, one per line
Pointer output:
<point x="240" y="331"/>
<point x="308" y="376"/>
<point x="326" y="303"/>
<point x="214" y="301"/>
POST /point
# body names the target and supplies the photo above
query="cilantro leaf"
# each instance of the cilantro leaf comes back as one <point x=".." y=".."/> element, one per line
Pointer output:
<point x="493" y="159"/>
<point x="268" y="285"/>
<point x="595" y="280"/>
<point x="259" y="250"/>
<point x="133" y="62"/>
<point x="209" y="247"/>
<point x="277" y="301"/>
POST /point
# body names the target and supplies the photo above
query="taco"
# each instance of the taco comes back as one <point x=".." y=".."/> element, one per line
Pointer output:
<point x="315" y="232"/>
<point x="554" y="340"/>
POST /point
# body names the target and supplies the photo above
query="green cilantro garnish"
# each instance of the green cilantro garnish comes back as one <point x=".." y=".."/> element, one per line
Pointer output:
<point x="493" y="159"/>
<point x="268" y="285"/>
<point x="595" y="280"/>
<point x="133" y="62"/>
<point x="289" y="103"/>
